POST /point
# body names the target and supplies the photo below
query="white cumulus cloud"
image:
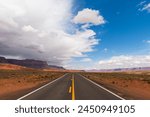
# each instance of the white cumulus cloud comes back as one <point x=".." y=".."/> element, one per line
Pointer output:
<point x="125" y="61"/>
<point x="89" y="16"/>
<point x="38" y="29"/>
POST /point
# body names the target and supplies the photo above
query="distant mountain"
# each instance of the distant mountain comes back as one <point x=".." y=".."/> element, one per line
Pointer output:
<point x="3" y="60"/>
<point x="29" y="63"/>
<point x="119" y="69"/>
<point x="56" y="67"/>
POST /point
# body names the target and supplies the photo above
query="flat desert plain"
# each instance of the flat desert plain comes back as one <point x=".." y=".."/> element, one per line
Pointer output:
<point x="16" y="81"/>
<point x="129" y="85"/>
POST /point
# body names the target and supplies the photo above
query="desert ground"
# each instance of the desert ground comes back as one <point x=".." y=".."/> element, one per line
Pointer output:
<point x="16" y="81"/>
<point x="129" y="85"/>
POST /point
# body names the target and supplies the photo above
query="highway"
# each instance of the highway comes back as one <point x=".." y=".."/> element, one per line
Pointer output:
<point x="71" y="86"/>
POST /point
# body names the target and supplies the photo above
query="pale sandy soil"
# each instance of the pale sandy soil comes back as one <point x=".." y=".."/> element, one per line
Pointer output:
<point x="128" y="88"/>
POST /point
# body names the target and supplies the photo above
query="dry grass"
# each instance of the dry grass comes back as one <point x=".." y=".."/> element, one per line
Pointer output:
<point x="13" y="81"/>
<point x="128" y="85"/>
<point x="121" y="75"/>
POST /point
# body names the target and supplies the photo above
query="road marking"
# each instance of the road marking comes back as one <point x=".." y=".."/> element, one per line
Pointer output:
<point x="73" y="90"/>
<point x="70" y="89"/>
<point x="102" y="87"/>
<point x="41" y="87"/>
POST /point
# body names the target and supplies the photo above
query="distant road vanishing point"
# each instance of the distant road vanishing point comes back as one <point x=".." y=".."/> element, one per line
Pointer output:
<point x="71" y="86"/>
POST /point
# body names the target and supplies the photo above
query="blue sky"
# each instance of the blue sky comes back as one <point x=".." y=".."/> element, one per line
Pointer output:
<point x="126" y="31"/>
<point x="77" y="34"/>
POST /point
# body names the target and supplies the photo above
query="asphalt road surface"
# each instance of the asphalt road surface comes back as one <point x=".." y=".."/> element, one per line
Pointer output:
<point x="71" y="87"/>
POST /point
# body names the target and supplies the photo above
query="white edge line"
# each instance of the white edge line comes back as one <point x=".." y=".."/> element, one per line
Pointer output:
<point x="41" y="87"/>
<point x="102" y="87"/>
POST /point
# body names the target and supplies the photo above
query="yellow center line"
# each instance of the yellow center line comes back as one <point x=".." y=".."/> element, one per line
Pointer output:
<point x="73" y="89"/>
<point x="70" y="89"/>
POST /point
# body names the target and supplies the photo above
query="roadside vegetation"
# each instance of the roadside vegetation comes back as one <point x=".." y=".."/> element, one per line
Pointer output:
<point x="29" y="74"/>
<point x="129" y="85"/>
<point x="120" y="75"/>
<point x="15" y="83"/>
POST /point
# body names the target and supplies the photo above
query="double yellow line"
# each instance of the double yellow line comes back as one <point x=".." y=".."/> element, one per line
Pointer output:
<point x="71" y="88"/>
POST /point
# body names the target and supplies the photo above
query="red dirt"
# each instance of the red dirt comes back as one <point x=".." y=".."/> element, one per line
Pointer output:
<point x="10" y="67"/>
<point x="127" y="88"/>
<point x="14" y="88"/>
